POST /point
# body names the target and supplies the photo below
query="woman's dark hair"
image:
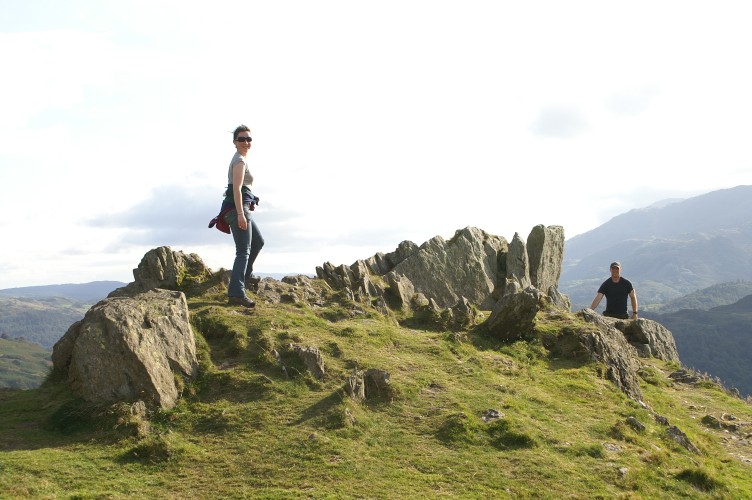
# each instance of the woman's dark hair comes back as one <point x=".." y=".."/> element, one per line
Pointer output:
<point x="241" y="128"/>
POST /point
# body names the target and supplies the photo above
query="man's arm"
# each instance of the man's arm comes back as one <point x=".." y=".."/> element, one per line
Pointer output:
<point x="633" y="297"/>
<point x="597" y="300"/>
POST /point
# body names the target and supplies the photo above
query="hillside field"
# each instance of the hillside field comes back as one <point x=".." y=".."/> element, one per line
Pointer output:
<point x="464" y="416"/>
<point x="22" y="365"/>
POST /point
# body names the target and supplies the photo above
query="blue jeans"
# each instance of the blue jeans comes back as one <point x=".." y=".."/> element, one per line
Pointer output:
<point x="248" y="244"/>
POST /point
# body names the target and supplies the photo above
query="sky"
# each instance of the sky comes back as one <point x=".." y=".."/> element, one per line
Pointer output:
<point x="372" y="123"/>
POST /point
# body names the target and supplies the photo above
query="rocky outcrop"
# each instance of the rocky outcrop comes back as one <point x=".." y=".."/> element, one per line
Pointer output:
<point x="645" y="338"/>
<point x="532" y="273"/>
<point x="608" y="345"/>
<point x="129" y="349"/>
<point x="164" y="268"/>
<point x="428" y="314"/>
<point x="297" y="289"/>
<point x="354" y="281"/>
<point x="536" y="264"/>
<point x="380" y="264"/>
<point x="442" y="281"/>
<point x="465" y="266"/>
<point x="604" y="340"/>
<point x="312" y="358"/>
<point x="401" y="290"/>
<point x="514" y="314"/>
<point x="130" y="346"/>
<point x="472" y="264"/>
<point x="545" y="251"/>
<point x="677" y="435"/>
<point x="518" y="264"/>
<point x="369" y="384"/>
<point x="468" y="265"/>
<point x="649" y="338"/>
<point x="514" y="318"/>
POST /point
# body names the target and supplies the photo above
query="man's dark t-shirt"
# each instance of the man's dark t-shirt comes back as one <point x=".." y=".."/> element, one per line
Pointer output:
<point x="616" y="297"/>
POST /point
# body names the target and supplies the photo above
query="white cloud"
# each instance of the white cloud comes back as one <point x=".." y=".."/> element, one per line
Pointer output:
<point x="560" y="123"/>
<point x="372" y="124"/>
<point x="633" y="101"/>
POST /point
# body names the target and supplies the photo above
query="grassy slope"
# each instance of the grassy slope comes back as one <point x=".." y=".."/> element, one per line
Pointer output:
<point x="244" y="429"/>
<point x="42" y="320"/>
<point x="22" y="365"/>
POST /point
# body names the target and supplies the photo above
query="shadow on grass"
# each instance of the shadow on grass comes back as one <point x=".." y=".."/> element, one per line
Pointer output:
<point x="328" y="412"/>
<point x="22" y="421"/>
<point x="229" y="386"/>
<point x="212" y="303"/>
<point x="561" y="352"/>
<point x="49" y="417"/>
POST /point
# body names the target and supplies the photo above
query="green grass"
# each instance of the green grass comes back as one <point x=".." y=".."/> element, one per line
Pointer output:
<point x="23" y="365"/>
<point x="245" y="428"/>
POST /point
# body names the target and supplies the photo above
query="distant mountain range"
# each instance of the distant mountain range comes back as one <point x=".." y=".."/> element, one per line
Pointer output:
<point x="667" y="250"/>
<point x="88" y="293"/>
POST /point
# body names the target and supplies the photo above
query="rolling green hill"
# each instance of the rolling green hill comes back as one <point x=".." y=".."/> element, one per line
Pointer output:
<point x="22" y="365"/>
<point x="42" y="314"/>
<point x="713" y="296"/>
<point x="42" y="320"/>
<point x="464" y="415"/>
<point x="717" y="341"/>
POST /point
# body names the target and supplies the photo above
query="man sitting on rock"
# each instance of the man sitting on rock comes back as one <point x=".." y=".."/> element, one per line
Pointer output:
<point x="616" y="289"/>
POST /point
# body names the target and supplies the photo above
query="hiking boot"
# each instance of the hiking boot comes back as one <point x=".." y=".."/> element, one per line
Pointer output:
<point x="241" y="301"/>
<point x="252" y="282"/>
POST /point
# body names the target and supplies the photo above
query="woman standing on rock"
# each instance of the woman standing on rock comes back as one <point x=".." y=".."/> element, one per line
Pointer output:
<point x="237" y="207"/>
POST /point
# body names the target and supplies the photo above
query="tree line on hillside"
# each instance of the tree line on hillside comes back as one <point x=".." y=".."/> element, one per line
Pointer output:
<point x="712" y="296"/>
<point x="43" y="326"/>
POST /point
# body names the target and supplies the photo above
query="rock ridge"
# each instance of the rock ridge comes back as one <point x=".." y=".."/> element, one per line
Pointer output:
<point x="132" y="345"/>
<point x="442" y="282"/>
<point x="473" y="265"/>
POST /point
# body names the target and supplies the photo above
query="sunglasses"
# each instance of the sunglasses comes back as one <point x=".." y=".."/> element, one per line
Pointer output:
<point x="243" y="139"/>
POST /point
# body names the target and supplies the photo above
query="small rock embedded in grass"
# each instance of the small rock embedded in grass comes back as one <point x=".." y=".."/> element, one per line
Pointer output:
<point x="711" y="421"/>
<point x="491" y="414"/>
<point x="636" y="424"/>
<point x="612" y="447"/>
<point x="676" y="435"/>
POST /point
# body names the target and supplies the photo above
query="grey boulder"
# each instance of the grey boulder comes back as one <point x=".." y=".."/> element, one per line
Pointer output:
<point x="129" y="349"/>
